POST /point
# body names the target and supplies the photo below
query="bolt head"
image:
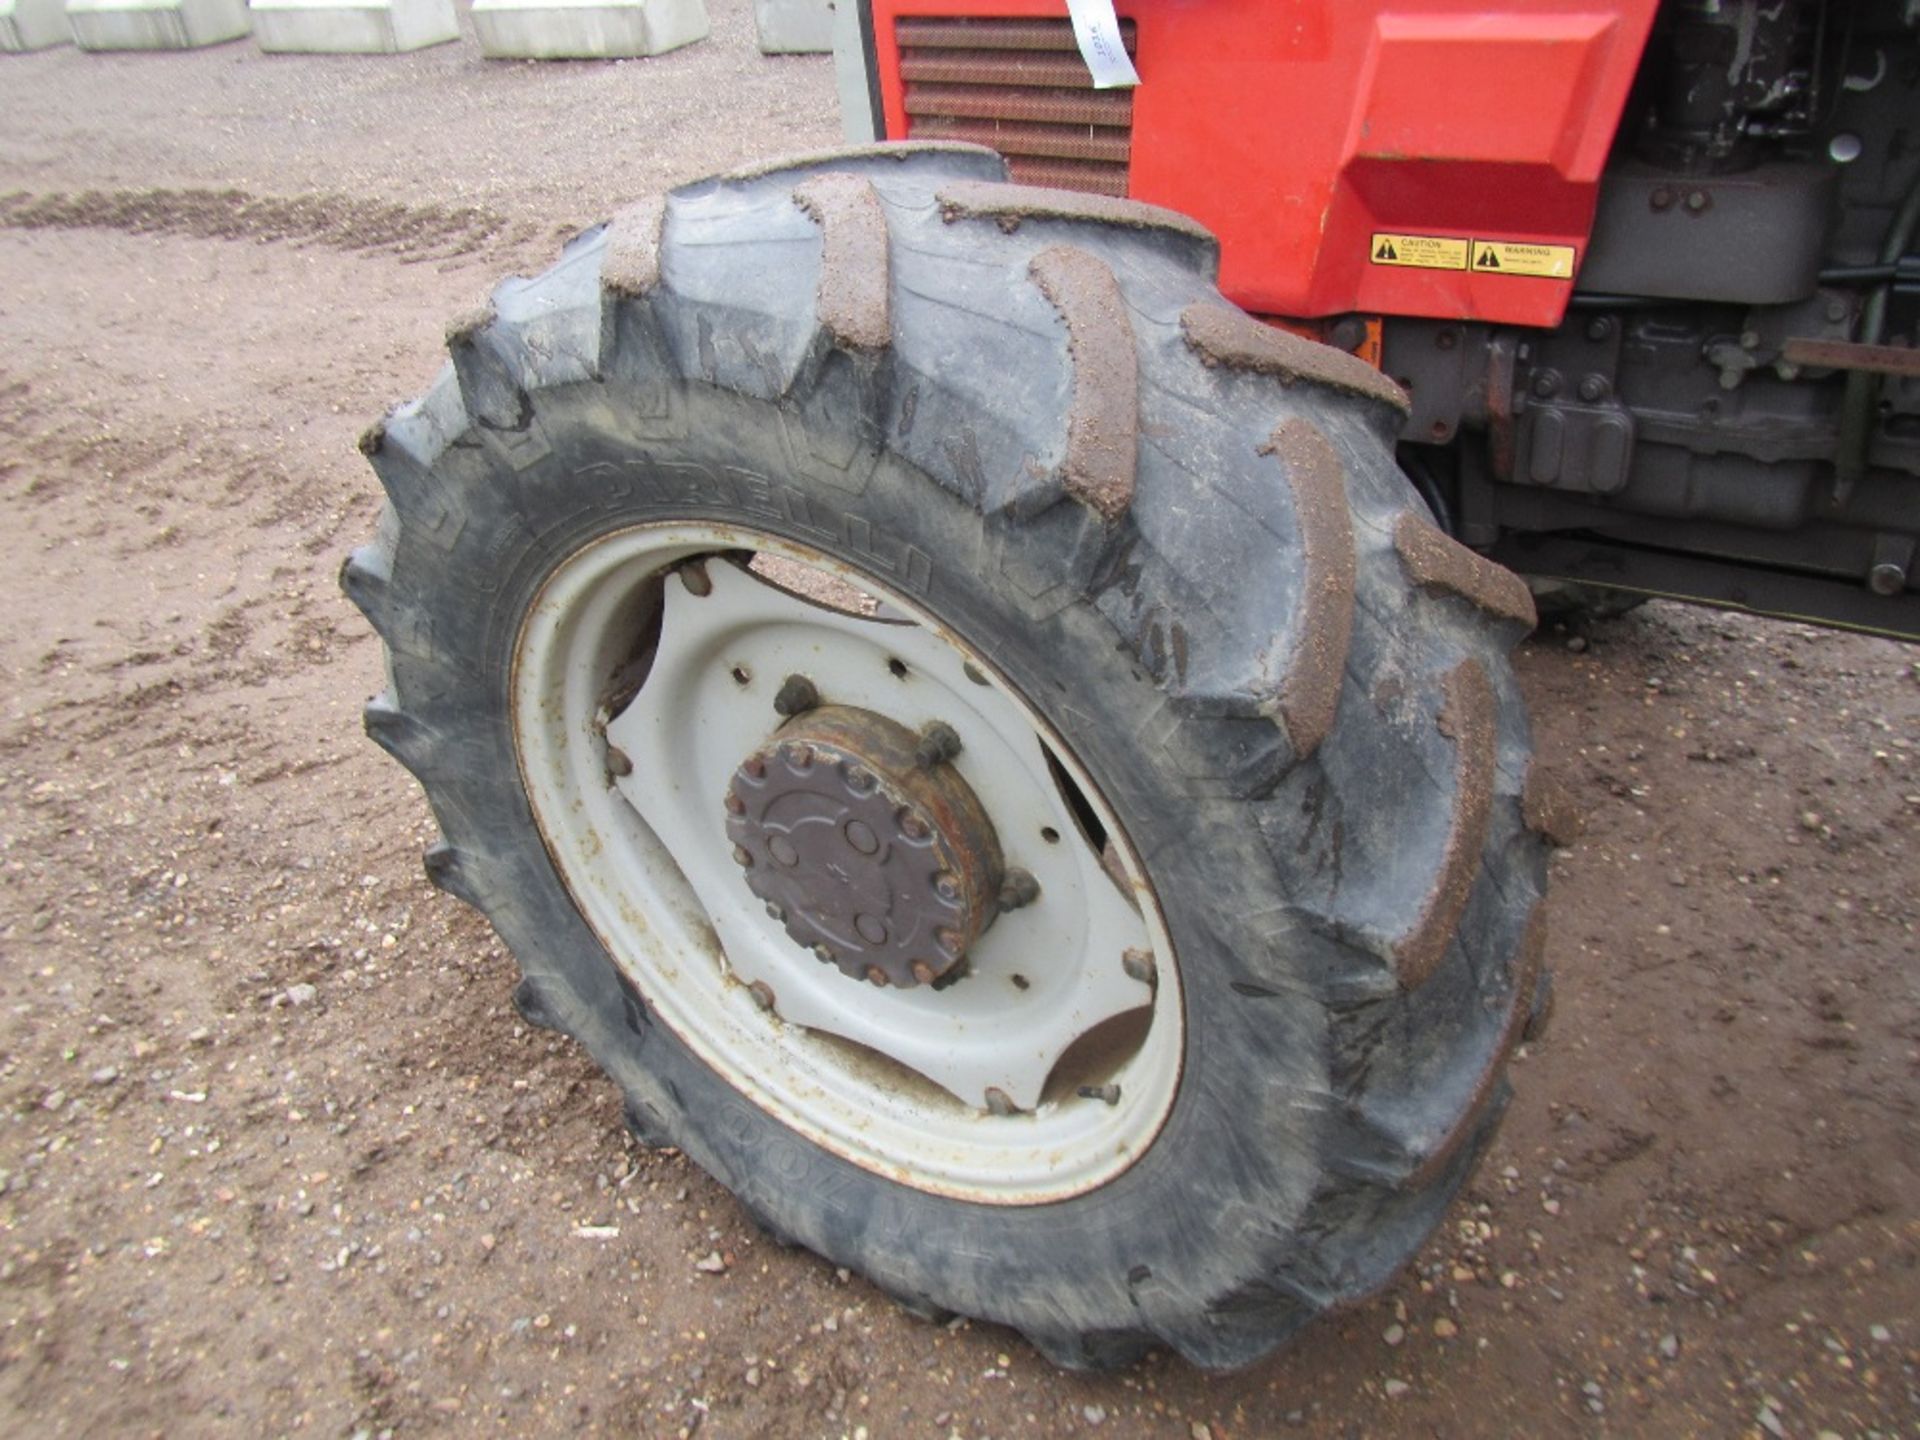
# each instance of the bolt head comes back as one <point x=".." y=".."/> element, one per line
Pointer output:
<point x="743" y="857"/>
<point x="923" y="972"/>
<point x="878" y="976"/>
<point x="1886" y="578"/>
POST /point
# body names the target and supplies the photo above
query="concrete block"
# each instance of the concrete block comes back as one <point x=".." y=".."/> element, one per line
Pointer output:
<point x="794" y="27"/>
<point x="351" y="27"/>
<point x="32" y="25"/>
<point x="155" y="24"/>
<point x="586" y="29"/>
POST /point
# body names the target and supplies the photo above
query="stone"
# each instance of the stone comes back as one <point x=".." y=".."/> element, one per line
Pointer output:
<point x="793" y="27"/>
<point x="155" y="24"/>
<point x="352" y="27"/>
<point x="586" y="29"/>
<point x="33" y="25"/>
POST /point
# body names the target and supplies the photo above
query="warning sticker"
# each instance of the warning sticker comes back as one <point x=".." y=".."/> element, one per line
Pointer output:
<point x="1512" y="257"/>
<point x="1422" y="252"/>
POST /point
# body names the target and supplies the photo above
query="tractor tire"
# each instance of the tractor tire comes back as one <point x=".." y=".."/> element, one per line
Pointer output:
<point x="876" y="457"/>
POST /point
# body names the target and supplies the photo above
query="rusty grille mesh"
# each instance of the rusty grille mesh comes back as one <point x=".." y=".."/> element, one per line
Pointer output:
<point x="1020" y="87"/>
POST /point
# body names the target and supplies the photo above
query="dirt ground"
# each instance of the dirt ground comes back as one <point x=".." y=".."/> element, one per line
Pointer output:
<point x="276" y="1155"/>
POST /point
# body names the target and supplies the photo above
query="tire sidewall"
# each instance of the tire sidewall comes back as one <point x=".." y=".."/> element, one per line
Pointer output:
<point x="1202" y="1196"/>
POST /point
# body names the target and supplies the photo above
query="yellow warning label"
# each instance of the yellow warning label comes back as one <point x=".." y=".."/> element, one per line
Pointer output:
<point x="1513" y="257"/>
<point x="1422" y="252"/>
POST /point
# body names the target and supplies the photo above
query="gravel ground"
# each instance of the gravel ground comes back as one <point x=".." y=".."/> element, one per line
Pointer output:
<point x="276" y="1155"/>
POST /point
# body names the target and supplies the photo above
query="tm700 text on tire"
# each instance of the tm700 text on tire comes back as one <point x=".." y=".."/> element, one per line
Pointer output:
<point x="978" y="739"/>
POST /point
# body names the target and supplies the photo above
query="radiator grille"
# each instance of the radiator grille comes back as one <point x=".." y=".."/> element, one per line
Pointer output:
<point x="1020" y="87"/>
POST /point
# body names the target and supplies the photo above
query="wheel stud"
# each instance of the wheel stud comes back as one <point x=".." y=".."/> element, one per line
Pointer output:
<point x="923" y="972"/>
<point x="743" y="857"/>
<point x="797" y="696"/>
<point x="878" y="976"/>
<point x="1139" y="966"/>
<point x="939" y="743"/>
<point x="617" y="761"/>
<point x="823" y="954"/>
<point x="1000" y="1103"/>
<point x="777" y="914"/>
<point x="948" y="939"/>
<point x="1108" y="1093"/>
<point x="735" y="805"/>
<point x="762" y="994"/>
<point x="1018" y="890"/>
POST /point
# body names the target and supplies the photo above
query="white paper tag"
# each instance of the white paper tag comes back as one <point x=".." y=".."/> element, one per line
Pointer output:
<point x="1097" y="29"/>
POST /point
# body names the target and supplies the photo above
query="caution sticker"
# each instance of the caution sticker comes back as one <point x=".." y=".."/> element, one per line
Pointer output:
<point x="1421" y="252"/>
<point x="1513" y="257"/>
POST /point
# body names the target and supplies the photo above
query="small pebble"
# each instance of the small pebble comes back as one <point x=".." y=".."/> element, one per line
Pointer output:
<point x="1095" y="1414"/>
<point x="1445" y="1329"/>
<point x="1670" y="1346"/>
<point x="1396" y="1388"/>
<point x="712" y="1264"/>
<point x="1394" y="1334"/>
<point x="1770" y="1422"/>
<point x="1881" y="1335"/>
<point x="301" y="994"/>
<point x="105" y="1075"/>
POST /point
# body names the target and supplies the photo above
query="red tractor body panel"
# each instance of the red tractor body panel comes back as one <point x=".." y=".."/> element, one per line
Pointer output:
<point x="1436" y="159"/>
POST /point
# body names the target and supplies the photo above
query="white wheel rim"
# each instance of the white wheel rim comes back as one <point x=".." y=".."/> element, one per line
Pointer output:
<point x="907" y="1098"/>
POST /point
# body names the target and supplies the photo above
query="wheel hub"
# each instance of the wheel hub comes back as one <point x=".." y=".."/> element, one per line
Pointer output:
<point x="866" y="845"/>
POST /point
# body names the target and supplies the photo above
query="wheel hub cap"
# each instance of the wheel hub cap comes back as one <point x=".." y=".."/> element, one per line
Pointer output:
<point x="865" y="845"/>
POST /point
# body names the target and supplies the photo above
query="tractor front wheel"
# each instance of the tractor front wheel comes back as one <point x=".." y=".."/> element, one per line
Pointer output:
<point x="975" y="735"/>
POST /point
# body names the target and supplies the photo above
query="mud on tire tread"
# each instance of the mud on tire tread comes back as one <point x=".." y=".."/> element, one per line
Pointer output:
<point x="1194" y="556"/>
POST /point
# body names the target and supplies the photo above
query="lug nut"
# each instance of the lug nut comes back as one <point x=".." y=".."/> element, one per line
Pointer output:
<point x="617" y="761"/>
<point x="878" y="976"/>
<point x="946" y="885"/>
<point x="923" y="972"/>
<point x="1000" y="1103"/>
<point x="948" y="939"/>
<point x="1018" y="890"/>
<point x="939" y="743"/>
<point x="762" y="994"/>
<point x="823" y="954"/>
<point x="1139" y="966"/>
<point x="797" y="696"/>
<point x="776" y="913"/>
